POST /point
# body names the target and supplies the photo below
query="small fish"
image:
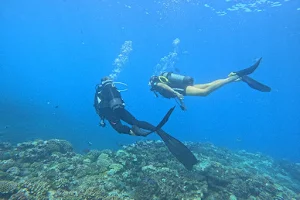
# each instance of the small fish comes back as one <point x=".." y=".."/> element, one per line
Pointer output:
<point x="177" y="70"/>
<point x="89" y="143"/>
<point x="56" y="106"/>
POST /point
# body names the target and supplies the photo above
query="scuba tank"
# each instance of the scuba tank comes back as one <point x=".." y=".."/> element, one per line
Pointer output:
<point x="177" y="80"/>
<point x="110" y="96"/>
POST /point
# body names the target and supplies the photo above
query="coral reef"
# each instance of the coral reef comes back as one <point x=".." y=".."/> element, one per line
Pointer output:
<point x="7" y="188"/>
<point x="143" y="170"/>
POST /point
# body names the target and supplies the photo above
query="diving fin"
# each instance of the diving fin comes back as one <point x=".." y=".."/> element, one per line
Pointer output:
<point x="165" y="119"/>
<point x="179" y="150"/>
<point x="248" y="70"/>
<point x="255" y="84"/>
<point x="137" y="131"/>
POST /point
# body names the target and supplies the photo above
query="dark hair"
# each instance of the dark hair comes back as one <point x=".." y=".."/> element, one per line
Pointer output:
<point x="153" y="78"/>
<point x="105" y="78"/>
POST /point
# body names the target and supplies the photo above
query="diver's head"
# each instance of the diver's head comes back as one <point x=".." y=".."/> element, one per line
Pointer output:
<point x="152" y="79"/>
<point x="106" y="80"/>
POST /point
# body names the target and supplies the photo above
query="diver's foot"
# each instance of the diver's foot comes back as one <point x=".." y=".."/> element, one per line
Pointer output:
<point x="138" y="132"/>
<point x="234" y="76"/>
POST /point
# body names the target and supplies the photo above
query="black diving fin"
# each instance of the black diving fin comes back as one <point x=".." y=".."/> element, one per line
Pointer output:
<point x="179" y="150"/>
<point x="161" y="123"/>
<point x="139" y="132"/>
<point x="255" y="84"/>
<point x="165" y="119"/>
<point x="248" y="70"/>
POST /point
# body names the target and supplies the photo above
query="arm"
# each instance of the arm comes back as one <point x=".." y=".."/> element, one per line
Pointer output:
<point x="102" y="122"/>
<point x="98" y="110"/>
<point x="169" y="89"/>
<point x="174" y="93"/>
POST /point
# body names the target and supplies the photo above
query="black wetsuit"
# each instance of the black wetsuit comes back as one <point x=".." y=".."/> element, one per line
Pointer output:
<point x="110" y="105"/>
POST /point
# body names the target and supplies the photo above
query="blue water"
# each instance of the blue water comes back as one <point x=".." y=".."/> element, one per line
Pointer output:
<point x="53" y="53"/>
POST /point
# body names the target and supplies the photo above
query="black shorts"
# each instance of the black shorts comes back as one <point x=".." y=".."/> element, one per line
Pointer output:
<point x="182" y="90"/>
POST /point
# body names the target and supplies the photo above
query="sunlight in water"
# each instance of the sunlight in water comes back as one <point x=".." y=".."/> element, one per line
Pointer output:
<point x="231" y="5"/>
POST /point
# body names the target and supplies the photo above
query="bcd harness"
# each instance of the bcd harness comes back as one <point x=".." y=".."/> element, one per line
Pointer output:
<point x="109" y="96"/>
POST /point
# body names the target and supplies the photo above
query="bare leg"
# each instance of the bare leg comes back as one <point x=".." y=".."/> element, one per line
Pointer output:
<point x="202" y="86"/>
<point x="205" y="85"/>
<point x="206" y="89"/>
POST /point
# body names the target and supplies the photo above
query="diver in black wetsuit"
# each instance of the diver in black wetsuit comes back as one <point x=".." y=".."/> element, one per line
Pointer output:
<point x="109" y="105"/>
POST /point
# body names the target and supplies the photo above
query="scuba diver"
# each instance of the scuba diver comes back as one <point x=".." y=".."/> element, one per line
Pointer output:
<point x="171" y="85"/>
<point x="109" y="105"/>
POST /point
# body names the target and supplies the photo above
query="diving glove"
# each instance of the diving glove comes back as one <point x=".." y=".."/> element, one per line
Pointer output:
<point x="102" y="123"/>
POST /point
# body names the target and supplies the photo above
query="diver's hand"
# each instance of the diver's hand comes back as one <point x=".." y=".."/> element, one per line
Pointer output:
<point x="102" y="123"/>
<point x="179" y="96"/>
